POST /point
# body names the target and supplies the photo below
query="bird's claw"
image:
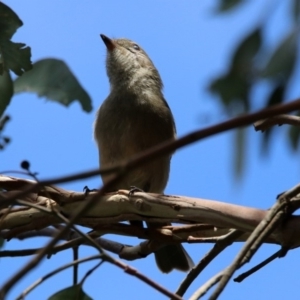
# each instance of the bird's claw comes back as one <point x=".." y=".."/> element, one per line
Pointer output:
<point x="134" y="189"/>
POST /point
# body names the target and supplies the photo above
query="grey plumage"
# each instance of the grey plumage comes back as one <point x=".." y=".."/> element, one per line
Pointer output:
<point x="133" y="118"/>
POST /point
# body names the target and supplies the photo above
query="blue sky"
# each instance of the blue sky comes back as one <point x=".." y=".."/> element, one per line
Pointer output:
<point x="190" y="45"/>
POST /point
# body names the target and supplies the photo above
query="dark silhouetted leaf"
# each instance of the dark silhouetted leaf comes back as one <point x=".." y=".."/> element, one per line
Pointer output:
<point x="234" y="92"/>
<point x="3" y="122"/>
<point x="239" y="151"/>
<point x="6" y="91"/>
<point x="4" y="140"/>
<point x="226" y="5"/>
<point x="275" y="97"/>
<point x="294" y="135"/>
<point x="53" y="79"/>
<point x="296" y="9"/>
<point x="282" y="61"/>
<point x="71" y="293"/>
<point x="234" y="87"/>
<point x="9" y="22"/>
<point x="13" y="56"/>
<point x="245" y="53"/>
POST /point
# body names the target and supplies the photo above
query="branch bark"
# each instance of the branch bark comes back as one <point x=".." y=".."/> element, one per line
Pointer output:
<point x="112" y="208"/>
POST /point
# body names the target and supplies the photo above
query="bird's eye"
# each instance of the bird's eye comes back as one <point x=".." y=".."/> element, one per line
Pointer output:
<point x="136" y="47"/>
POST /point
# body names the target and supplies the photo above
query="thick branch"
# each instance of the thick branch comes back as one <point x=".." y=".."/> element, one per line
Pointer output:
<point x="121" y="206"/>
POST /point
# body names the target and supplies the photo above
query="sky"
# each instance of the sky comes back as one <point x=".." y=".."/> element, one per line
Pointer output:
<point x="190" y="45"/>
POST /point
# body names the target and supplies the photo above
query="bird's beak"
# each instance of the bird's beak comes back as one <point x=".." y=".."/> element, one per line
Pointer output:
<point x="109" y="43"/>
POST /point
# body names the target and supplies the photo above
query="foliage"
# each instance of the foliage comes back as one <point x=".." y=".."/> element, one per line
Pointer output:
<point x="49" y="77"/>
<point x="251" y="64"/>
<point x="58" y="83"/>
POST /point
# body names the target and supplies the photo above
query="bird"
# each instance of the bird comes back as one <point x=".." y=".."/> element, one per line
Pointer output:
<point x="133" y="118"/>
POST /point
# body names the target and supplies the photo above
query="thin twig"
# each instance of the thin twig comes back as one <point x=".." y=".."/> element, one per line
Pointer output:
<point x="106" y="257"/>
<point x="289" y="194"/>
<point x="276" y="120"/>
<point x="131" y="271"/>
<point x="228" y="271"/>
<point x="220" y="245"/>
<point x="207" y="286"/>
<point x="45" y="277"/>
<point x="244" y="275"/>
<point x="75" y="267"/>
<point x="276" y="220"/>
<point x="39" y="256"/>
<point x="89" y="272"/>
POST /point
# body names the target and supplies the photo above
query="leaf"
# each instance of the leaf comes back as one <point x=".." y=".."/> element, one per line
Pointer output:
<point x="246" y="51"/>
<point x="6" y="91"/>
<point x="275" y="97"/>
<point x="294" y="135"/>
<point x="233" y="90"/>
<point x="296" y="9"/>
<point x="234" y="87"/>
<point x="226" y="5"/>
<point x="239" y="153"/>
<point x="4" y="141"/>
<point x="53" y="79"/>
<point x="71" y="293"/>
<point x="9" y="22"/>
<point x="282" y="61"/>
<point x="13" y="56"/>
<point x="3" y="121"/>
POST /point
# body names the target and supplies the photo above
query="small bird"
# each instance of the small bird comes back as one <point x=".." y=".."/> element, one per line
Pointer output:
<point x="133" y="118"/>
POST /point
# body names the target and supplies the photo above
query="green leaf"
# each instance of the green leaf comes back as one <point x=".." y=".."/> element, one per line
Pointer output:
<point x="71" y="293"/>
<point x="242" y="61"/>
<point x="13" y="56"/>
<point x="6" y="91"/>
<point x="9" y="22"/>
<point x="53" y="79"/>
<point x="283" y="60"/>
<point x="226" y="5"/>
